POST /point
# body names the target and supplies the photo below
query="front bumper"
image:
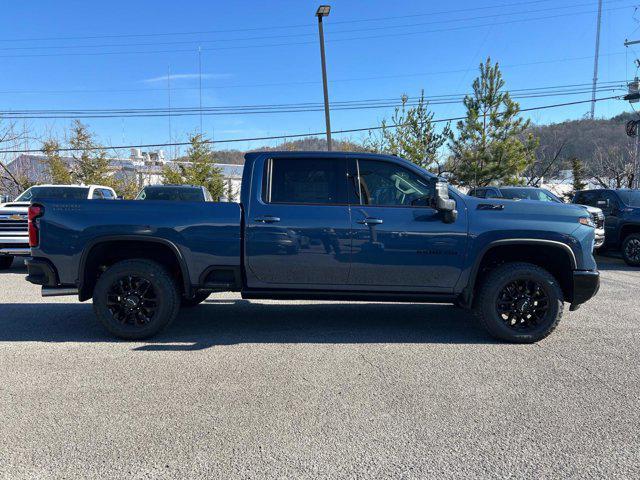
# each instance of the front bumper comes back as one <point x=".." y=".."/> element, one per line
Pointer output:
<point x="586" y="284"/>
<point x="599" y="239"/>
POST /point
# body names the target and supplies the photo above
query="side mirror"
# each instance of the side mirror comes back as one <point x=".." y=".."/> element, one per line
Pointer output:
<point x="119" y="197"/>
<point x="443" y="203"/>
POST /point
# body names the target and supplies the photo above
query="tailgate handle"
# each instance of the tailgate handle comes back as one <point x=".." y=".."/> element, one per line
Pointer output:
<point x="267" y="219"/>
<point x="370" y="221"/>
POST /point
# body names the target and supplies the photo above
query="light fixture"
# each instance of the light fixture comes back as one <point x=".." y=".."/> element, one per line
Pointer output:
<point x="323" y="10"/>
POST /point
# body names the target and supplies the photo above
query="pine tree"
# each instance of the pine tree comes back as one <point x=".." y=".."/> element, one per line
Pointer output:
<point x="412" y="135"/>
<point x="87" y="165"/>
<point x="577" y="168"/>
<point x="491" y="144"/>
<point x="57" y="169"/>
<point x="198" y="170"/>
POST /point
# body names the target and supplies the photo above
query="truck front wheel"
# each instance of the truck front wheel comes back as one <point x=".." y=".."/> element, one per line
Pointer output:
<point x="135" y="299"/>
<point x="519" y="303"/>
<point x="631" y="249"/>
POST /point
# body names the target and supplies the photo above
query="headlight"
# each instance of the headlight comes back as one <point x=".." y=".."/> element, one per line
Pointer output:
<point x="587" y="221"/>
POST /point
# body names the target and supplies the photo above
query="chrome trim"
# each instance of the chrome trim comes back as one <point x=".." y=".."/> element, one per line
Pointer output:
<point x="15" y="251"/>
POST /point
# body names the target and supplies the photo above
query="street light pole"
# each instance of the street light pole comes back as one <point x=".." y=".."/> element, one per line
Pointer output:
<point x="323" y="11"/>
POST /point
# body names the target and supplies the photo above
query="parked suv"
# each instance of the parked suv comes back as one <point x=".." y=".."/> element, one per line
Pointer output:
<point x="543" y="195"/>
<point x="14" y="239"/>
<point x="622" y="219"/>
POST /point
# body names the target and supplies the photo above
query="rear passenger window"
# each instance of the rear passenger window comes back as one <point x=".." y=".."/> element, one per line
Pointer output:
<point x="306" y="181"/>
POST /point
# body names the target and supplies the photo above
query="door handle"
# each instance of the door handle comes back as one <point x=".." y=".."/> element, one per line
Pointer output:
<point x="370" y="221"/>
<point x="267" y="219"/>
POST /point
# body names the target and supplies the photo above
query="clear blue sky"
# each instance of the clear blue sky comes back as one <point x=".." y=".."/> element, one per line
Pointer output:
<point x="435" y="46"/>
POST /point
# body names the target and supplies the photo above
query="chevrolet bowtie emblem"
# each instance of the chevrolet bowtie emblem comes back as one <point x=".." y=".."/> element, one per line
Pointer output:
<point x="17" y="216"/>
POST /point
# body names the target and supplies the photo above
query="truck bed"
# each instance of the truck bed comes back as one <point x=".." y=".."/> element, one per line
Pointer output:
<point x="202" y="233"/>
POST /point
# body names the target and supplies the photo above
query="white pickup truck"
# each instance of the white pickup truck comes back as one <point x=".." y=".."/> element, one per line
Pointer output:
<point x="14" y="237"/>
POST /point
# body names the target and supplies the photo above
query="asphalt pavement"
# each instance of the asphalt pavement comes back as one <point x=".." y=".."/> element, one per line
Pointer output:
<point x="266" y="389"/>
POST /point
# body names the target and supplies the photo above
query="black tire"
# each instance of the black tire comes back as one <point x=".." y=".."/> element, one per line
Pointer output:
<point x="528" y="296"/>
<point x="631" y="250"/>
<point x="135" y="299"/>
<point x="5" y="262"/>
<point x="197" y="299"/>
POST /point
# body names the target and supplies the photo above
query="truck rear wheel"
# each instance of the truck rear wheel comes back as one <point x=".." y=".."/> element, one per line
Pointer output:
<point x="135" y="299"/>
<point x="631" y="250"/>
<point x="5" y="262"/>
<point x="519" y="303"/>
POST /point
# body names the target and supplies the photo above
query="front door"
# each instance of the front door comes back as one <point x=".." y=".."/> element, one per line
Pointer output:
<point x="399" y="242"/>
<point x="298" y="229"/>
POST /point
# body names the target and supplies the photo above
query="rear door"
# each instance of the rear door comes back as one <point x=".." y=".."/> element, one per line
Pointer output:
<point x="298" y="224"/>
<point x="399" y="242"/>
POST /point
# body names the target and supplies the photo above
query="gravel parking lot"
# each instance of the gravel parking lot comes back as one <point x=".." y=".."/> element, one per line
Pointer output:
<point x="318" y="389"/>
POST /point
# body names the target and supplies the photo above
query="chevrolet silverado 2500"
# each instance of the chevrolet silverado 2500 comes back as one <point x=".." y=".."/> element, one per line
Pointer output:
<point x="318" y="225"/>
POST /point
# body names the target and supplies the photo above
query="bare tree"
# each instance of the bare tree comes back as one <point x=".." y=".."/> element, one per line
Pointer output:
<point x="20" y="177"/>
<point x="613" y="166"/>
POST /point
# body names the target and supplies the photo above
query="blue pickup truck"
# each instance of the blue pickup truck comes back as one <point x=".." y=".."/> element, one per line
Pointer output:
<point x="321" y="226"/>
<point x="621" y="219"/>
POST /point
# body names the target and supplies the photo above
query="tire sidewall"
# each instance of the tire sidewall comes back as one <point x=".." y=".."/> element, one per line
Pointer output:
<point x="165" y="291"/>
<point x="495" y="322"/>
<point x="626" y="241"/>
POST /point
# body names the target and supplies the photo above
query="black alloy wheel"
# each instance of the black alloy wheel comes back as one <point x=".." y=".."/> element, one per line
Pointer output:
<point x="522" y="304"/>
<point x="631" y="250"/>
<point x="135" y="299"/>
<point x="519" y="302"/>
<point x="132" y="300"/>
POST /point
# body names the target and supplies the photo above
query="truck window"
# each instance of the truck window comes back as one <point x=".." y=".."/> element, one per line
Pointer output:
<point x="387" y="184"/>
<point x="306" y="181"/>
<point x="107" y="194"/>
<point x="97" y="194"/>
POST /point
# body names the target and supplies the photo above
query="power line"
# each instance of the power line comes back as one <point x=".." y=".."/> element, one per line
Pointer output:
<point x="333" y="31"/>
<point x="369" y="37"/>
<point x="302" y="135"/>
<point x="267" y="27"/>
<point x="195" y="111"/>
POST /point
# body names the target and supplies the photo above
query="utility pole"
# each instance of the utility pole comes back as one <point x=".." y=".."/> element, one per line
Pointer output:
<point x="200" y="84"/>
<point x="323" y="11"/>
<point x="633" y="129"/>
<point x="595" y="62"/>
<point x="169" y="100"/>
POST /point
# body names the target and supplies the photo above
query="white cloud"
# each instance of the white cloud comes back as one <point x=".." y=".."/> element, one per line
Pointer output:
<point x="186" y="76"/>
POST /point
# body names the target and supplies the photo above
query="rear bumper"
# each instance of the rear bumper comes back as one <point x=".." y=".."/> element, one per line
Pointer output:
<point x="586" y="284"/>
<point x="41" y="272"/>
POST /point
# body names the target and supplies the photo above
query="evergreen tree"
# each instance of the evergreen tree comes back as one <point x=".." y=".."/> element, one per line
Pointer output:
<point x="577" y="168"/>
<point x="199" y="169"/>
<point x="411" y="136"/>
<point x="87" y="165"/>
<point x="491" y="143"/>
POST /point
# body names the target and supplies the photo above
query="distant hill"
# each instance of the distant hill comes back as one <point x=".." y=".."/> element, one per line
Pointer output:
<point x="583" y="139"/>
<point x="236" y="157"/>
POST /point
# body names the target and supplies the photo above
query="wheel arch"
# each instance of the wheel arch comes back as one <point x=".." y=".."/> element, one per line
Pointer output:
<point x="556" y="257"/>
<point x="89" y="264"/>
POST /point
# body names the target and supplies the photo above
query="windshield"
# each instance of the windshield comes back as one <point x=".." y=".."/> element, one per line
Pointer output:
<point x="528" y="194"/>
<point x="71" y="193"/>
<point x="180" y="194"/>
<point x="631" y="198"/>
